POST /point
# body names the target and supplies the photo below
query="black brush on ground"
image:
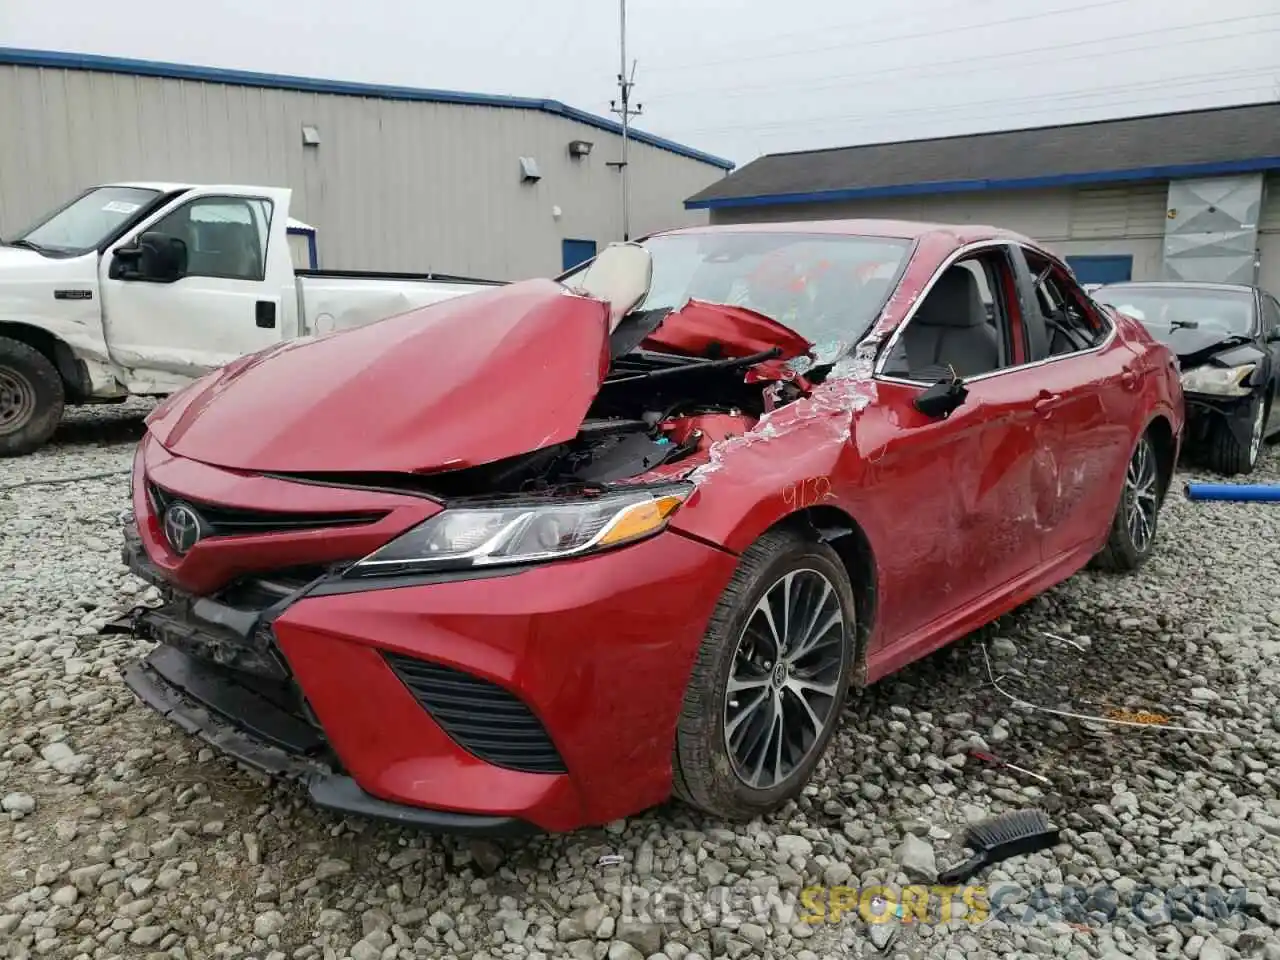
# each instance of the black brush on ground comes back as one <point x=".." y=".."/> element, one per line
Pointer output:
<point x="1008" y="835"/>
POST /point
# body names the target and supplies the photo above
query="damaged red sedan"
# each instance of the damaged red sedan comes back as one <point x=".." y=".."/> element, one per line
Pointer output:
<point x="543" y="556"/>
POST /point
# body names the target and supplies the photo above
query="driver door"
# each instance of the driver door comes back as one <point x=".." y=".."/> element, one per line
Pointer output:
<point x="234" y="296"/>
<point x="977" y="478"/>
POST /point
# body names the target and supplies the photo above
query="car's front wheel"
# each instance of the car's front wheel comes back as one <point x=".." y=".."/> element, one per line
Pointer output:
<point x="1226" y="454"/>
<point x="770" y="679"/>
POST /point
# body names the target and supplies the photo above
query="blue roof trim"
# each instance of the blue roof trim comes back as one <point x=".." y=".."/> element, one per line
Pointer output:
<point x="12" y="56"/>
<point x="1171" y="172"/>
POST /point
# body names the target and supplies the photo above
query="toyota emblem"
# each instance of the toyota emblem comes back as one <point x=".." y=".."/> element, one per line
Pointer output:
<point x="182" y="527"/>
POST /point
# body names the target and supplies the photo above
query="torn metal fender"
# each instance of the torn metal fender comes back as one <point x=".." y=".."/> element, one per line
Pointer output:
<point x="796" y="458"/>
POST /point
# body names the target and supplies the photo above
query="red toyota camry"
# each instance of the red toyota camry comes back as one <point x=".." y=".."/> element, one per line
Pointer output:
<point x="542" y="556"/>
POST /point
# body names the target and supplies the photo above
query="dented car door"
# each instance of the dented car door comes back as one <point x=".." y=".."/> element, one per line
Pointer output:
<point x="1087" y="383"/>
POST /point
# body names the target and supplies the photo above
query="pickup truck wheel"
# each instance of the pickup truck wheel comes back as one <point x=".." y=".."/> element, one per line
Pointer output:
<point x="769" y="681"/>
<point x="31" y="398"/>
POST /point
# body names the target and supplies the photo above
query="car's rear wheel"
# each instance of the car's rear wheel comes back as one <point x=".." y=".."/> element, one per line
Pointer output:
<point x="31" y="398"/>
<point x="1133" y="528"/>
<point x="769" y="682"/>
<point x="1226" y="454"/>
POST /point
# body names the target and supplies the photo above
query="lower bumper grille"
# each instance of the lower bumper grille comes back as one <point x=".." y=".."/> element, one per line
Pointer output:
<point x="254" y="730"/>
<point x="482" y="718"/>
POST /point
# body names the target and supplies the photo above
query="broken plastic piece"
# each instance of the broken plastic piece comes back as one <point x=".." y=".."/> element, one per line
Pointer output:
<point x="1138" y="716"/>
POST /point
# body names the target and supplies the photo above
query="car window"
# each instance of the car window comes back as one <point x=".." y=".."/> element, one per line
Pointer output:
<point x="1270" y="313"/>
<point x="1072" y="323"/>
<point x="963" y="326"/>
<point x="1163" y="308"/>
<point x="89" y="219"/>
<point x="225" y="236"/>
<point x="829" y="288"/>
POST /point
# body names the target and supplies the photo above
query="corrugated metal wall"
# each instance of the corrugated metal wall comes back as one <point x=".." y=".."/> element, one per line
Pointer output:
<point x="1269" y="236"/>
<point x="393" y="185"/>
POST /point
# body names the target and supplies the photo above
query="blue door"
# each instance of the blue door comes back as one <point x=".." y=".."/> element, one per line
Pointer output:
<point x="1108" y="269"/>
<point x="575" y="252"/>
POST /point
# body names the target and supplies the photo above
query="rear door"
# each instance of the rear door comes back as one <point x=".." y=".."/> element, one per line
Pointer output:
<point x="1090" y="386"/>
<point x="236" y="295"/>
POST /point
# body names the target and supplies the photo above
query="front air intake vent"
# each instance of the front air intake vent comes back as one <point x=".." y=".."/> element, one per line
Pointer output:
<point x="481" y="717"/>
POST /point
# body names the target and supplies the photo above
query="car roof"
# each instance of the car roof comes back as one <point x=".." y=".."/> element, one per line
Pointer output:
<point x="892" y="229"/>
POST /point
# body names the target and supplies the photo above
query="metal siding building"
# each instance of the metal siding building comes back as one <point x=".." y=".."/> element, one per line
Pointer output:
<point x="1114" y="197"/>
<point x="401" y="180"/>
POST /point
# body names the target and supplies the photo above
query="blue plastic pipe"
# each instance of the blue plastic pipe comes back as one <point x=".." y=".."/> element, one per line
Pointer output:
<point x="1235" y="492"/>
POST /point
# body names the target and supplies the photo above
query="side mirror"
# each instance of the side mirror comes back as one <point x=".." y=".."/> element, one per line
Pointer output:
<point x="941" y="399"/>
<point x="156" y="257"/>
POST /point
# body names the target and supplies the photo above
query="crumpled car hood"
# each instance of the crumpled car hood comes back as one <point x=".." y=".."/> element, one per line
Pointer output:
<point x="1188" y="342"/>
<point x="712" y="329"/>
<point x="467" y="381"/>
<point x="1195" y="346"/>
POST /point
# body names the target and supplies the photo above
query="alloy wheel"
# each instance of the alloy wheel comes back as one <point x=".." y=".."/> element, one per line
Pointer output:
<point x="784" y="678"/>
<point x="17" y="401"/>
<point x="1141" y="496"/>
<point x="1255" y="439"/>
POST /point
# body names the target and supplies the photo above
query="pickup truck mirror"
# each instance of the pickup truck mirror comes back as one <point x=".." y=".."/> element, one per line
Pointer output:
<point x="155" y="257"/>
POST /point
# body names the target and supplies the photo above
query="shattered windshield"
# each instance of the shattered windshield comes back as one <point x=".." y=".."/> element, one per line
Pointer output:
<point x="88" y="220"/>
<point x="826" y="287"/>
<point x="1162" y="310"/>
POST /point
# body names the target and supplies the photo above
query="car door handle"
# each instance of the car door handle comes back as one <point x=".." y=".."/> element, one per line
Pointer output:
<point x="265" y="313"/>
<point x="1128" y="377"/>
<point x="1045" y="403"/>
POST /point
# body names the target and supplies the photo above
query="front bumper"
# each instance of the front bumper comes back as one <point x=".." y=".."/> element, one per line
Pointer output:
<point x="1207" y="412"/>
<point x="311" y="683"/>
<point x="259" y="733"/>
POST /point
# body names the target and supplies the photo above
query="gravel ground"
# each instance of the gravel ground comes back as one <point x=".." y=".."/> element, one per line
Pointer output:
<point x="124" y="838"/>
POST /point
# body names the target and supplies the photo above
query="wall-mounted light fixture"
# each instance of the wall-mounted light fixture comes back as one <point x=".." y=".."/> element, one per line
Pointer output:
<point x="310" y="135"/>
<point x="529" y="170"/>
<point x="580" y="148"/>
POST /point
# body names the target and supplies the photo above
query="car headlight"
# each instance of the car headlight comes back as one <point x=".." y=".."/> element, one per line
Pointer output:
<point x="508" y="532"/>
<point x="1220" y="381"/>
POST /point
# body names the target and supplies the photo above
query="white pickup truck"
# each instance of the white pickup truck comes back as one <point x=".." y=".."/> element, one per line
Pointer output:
<point x="136" y="289"/>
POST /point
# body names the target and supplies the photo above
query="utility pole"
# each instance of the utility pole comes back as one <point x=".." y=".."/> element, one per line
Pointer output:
<point x="622" y="107"/>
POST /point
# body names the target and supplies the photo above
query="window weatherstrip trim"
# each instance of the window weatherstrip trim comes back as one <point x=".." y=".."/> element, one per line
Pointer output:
<point x="964" y="251"/>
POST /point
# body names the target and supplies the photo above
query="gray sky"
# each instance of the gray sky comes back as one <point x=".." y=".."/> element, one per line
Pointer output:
<point x="734" y="77"/>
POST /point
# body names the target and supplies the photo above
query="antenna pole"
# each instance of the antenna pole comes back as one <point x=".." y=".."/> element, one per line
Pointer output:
<point x="622" y="107"/>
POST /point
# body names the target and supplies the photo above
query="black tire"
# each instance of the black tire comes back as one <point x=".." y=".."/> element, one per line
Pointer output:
<point x="1225" y="454"/>
<point x="31" y="398"/>
<point x="705" y="771"/>
<point x="1125" y="549"/>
